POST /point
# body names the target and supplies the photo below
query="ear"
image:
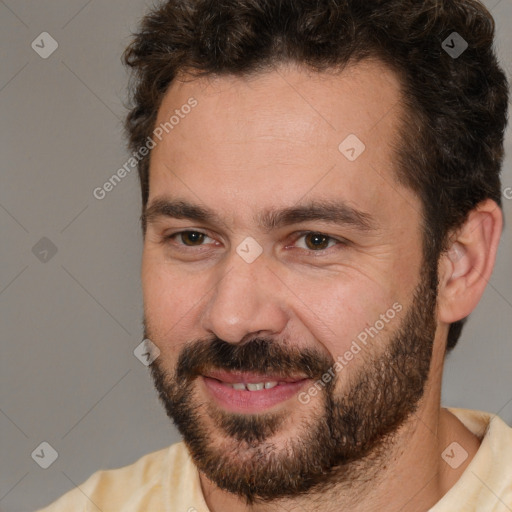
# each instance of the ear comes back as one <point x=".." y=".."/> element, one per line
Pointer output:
<point x="465" y="269"/>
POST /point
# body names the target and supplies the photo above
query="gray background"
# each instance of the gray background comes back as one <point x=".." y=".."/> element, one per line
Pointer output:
<point x="69" y="325"/>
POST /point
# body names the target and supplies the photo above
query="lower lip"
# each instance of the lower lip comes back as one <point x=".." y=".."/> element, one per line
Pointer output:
<point x="243" y="401"/>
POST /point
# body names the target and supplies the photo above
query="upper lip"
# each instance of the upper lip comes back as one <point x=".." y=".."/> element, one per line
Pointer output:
<point x="233" y="377"/>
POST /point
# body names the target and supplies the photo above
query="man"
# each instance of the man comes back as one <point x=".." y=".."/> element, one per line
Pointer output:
<point x="321" y="213"/>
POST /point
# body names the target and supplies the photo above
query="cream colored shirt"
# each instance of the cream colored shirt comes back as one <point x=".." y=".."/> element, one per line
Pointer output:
<point x="168" y="481"/>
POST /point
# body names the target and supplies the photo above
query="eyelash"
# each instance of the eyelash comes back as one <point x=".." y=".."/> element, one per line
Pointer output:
<point x="167" y="239"/>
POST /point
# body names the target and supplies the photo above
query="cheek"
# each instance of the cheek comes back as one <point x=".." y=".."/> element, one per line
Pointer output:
<point x="170" y="303"/>
<point x="338" y="312"/>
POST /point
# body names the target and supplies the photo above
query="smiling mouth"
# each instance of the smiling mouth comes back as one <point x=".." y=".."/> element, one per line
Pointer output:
<point x="246" y="392"/>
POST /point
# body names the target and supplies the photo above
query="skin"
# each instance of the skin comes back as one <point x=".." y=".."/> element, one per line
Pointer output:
<point x="271" y="141"/>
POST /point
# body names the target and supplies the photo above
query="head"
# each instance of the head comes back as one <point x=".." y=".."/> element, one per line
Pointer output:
<point x="282" y="111"/>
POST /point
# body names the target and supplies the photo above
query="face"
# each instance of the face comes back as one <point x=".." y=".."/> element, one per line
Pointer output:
<point x="283" y="277"/>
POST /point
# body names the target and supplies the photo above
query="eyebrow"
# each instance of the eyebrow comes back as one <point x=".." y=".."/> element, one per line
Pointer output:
<point x="332" y="212"/>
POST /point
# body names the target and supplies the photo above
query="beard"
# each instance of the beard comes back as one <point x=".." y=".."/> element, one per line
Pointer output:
<point x="350" y="426"/>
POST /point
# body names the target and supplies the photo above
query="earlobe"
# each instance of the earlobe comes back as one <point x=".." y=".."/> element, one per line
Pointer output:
<point x="466" y="267"/>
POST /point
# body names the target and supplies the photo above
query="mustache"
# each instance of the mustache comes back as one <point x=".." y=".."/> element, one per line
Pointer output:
<point x="259" y="355"/>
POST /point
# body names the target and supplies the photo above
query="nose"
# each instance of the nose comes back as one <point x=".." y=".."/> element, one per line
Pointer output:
<point x="248" y="300"/>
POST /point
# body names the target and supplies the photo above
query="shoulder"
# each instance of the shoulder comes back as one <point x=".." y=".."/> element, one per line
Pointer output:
<point x="127" y="489"/>
<point x="486" y="483"/>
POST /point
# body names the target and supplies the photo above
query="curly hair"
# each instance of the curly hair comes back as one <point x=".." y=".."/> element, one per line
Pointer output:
<point x="450" y="148"/>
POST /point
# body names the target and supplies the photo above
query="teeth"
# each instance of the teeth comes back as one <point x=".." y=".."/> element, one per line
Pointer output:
<point x="257" y="386"/>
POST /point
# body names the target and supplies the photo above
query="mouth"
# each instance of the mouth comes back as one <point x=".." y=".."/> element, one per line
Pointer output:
<point x="245" y="392"/>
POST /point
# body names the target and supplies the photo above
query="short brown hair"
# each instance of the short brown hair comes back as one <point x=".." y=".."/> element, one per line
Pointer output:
<point x="450" y="147"/>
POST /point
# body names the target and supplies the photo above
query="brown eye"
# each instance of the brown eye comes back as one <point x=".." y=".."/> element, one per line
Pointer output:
<point x="194" y="237"/>
<point x="316" y="241"/>
<point x="188" y="242"/>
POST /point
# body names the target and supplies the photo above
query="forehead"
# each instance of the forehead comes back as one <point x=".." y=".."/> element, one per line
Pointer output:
<point x="289" y="100"/>
<point x="279" y="136"/>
